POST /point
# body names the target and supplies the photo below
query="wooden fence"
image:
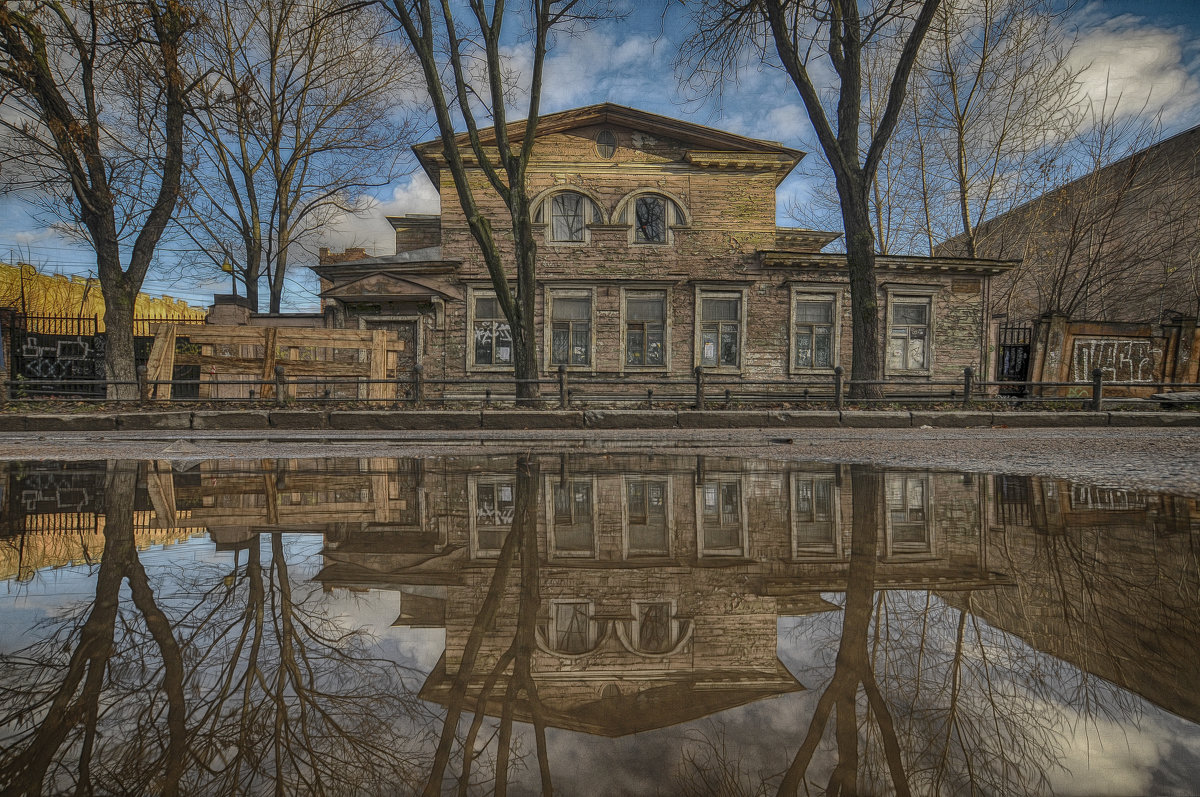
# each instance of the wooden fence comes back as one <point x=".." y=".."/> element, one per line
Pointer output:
<point x="239" y="362"/>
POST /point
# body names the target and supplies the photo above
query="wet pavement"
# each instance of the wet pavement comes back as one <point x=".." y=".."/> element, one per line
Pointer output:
<point x="1146" y="458"/>
<point x="601" y="622"/>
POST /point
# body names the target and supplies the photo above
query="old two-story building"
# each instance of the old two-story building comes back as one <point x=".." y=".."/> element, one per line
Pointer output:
<point x="658" y="252"/>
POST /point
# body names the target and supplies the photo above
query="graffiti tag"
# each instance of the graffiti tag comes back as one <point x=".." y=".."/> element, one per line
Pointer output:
<point x="1129" y="360"/>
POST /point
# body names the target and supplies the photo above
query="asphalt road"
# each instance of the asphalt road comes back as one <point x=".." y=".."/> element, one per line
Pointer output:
<point x="1147" y="458"/>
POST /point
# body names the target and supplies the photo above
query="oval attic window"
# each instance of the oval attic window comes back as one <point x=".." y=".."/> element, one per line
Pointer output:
<point x="606" y="143"/>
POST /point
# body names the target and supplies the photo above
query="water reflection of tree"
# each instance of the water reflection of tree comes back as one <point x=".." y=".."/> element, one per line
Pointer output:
<point x="223" y="682"/>
<point x="287" y="698"/>
<point x="58" y="698"/>
<point x="923" y="697"/>
<point x="478" y="679"/>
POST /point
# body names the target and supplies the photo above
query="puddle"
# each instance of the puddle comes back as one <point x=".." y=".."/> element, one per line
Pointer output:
<point x="598" y="624"/>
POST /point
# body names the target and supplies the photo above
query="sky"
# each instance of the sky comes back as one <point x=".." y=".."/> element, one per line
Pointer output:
<point x="1146" y="50"/>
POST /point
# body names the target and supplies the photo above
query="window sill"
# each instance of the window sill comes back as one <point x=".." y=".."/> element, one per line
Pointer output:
<point x="627" y="370"/>
<point x="812" y="371"/>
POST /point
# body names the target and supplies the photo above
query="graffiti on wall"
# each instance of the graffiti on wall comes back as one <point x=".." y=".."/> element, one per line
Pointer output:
<point x="1119" y="360"/>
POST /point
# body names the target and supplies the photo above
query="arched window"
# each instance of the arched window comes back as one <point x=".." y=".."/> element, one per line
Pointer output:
<point x="652" y="216"/>
<point x="568" y="213"/>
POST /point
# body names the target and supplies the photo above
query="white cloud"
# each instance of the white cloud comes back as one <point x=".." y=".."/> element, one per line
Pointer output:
<point x="1129" y="67"/>
<point x="370" y="230"/>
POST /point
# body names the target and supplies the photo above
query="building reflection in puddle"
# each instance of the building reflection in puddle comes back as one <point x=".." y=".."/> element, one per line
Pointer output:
<point x="654" y="599"/>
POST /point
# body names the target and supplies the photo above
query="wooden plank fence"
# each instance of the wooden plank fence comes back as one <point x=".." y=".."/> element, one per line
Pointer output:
<point x="317" y="362"/>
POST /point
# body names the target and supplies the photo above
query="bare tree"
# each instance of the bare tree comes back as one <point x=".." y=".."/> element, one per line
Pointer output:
<point x="1000" y="98"/>
<point x="1119" y="243"/>
<point x="467" y="73"/>
<point x="298" y="113"/>
<point x="801" y="36"/>
<point x="96" y="95"/>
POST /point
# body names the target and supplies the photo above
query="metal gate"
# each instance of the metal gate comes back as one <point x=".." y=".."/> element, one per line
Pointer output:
<point x="53" y="356"/>
<point x="56" y="356"/>
<point x="1012" y="362"/>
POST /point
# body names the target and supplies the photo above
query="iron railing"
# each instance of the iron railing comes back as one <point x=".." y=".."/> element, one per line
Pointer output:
<point x="567" y="390"/>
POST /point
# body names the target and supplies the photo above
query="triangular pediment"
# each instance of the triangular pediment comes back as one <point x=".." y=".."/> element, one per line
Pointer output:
<point x="383" y="284"/>
<point x="640" y="130"/>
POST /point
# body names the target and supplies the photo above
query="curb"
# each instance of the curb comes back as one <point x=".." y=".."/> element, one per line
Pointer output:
<point x="451" y="420"/>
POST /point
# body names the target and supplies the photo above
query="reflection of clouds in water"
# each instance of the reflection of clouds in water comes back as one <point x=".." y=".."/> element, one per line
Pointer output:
<point x="1159" y="755"/>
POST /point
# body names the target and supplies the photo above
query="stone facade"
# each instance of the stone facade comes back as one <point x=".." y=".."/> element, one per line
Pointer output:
<point x="658" y="252"/>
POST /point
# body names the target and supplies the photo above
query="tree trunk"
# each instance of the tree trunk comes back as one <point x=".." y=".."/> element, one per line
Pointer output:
<point x="526" y="352"/>
<point x="866" y="362"/>
<point x="250" y="277"/>
<point x="119" y="366"/>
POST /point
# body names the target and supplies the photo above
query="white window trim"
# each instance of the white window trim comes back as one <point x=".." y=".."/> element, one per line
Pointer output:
<point x="635" y="626"/>
<point x="593" y="630"/>
<point x="595" y="210"/>
<point x="902" y="294"/>
<point x="816" y="291"/>
<point x="743" y="550"/>
<point x="720" y="292"/>
<point x="473" y="482"/>
<point x="911" y="556"/>
<point x="807" y="555"/>
<point x="548" y="297"/>
<point x="628" y="207"/>
<point x="551" y="544"/>
<point x="666" y="294"/>
<point x="472" y="294"/>
<point x="626" y="553"/>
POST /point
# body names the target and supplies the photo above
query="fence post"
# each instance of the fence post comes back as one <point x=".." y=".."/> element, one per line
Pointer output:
<point x="649" y="398"/>
<point x="968" y="375"/>
<point x="1097" y="388"/>
<point x="417" y="384"/>
<point x="280" y="385"/>
<point x="563" y="398"/>
<point x="839" y="390"/>
<point x="143" y="385"/>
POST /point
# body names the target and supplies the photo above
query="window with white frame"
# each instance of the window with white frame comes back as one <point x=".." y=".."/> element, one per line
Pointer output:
<point x="814" y="515"/>
<point x="567" y="217"/>
<point x="722" y="522"/>
<point x="908" y="335"/>
<point x="655" y="628"/>
<point x="645" y="328"/>
<point x="571" y="328"/>
<point x="569" y="213"/>
<point x="646" y="526"/>
<point x="572" y="628"/>
<point x="907" y="501"/>
<point x="492" y="513"/>
<point x="573" y="530"/>
<point x="650" y="219"/>
<point x="720" y="329"/>
<point x="814" y="331"/>
<point x="492" y="334"/>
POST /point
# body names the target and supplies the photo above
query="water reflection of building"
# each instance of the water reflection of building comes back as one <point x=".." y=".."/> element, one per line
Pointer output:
<point x="1106" y="579"/>
<point x="661" y="579"/>
<point x="53" y="516"/>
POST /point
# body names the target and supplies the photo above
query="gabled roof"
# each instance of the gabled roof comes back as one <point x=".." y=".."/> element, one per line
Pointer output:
<point x="708" y="140"/>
